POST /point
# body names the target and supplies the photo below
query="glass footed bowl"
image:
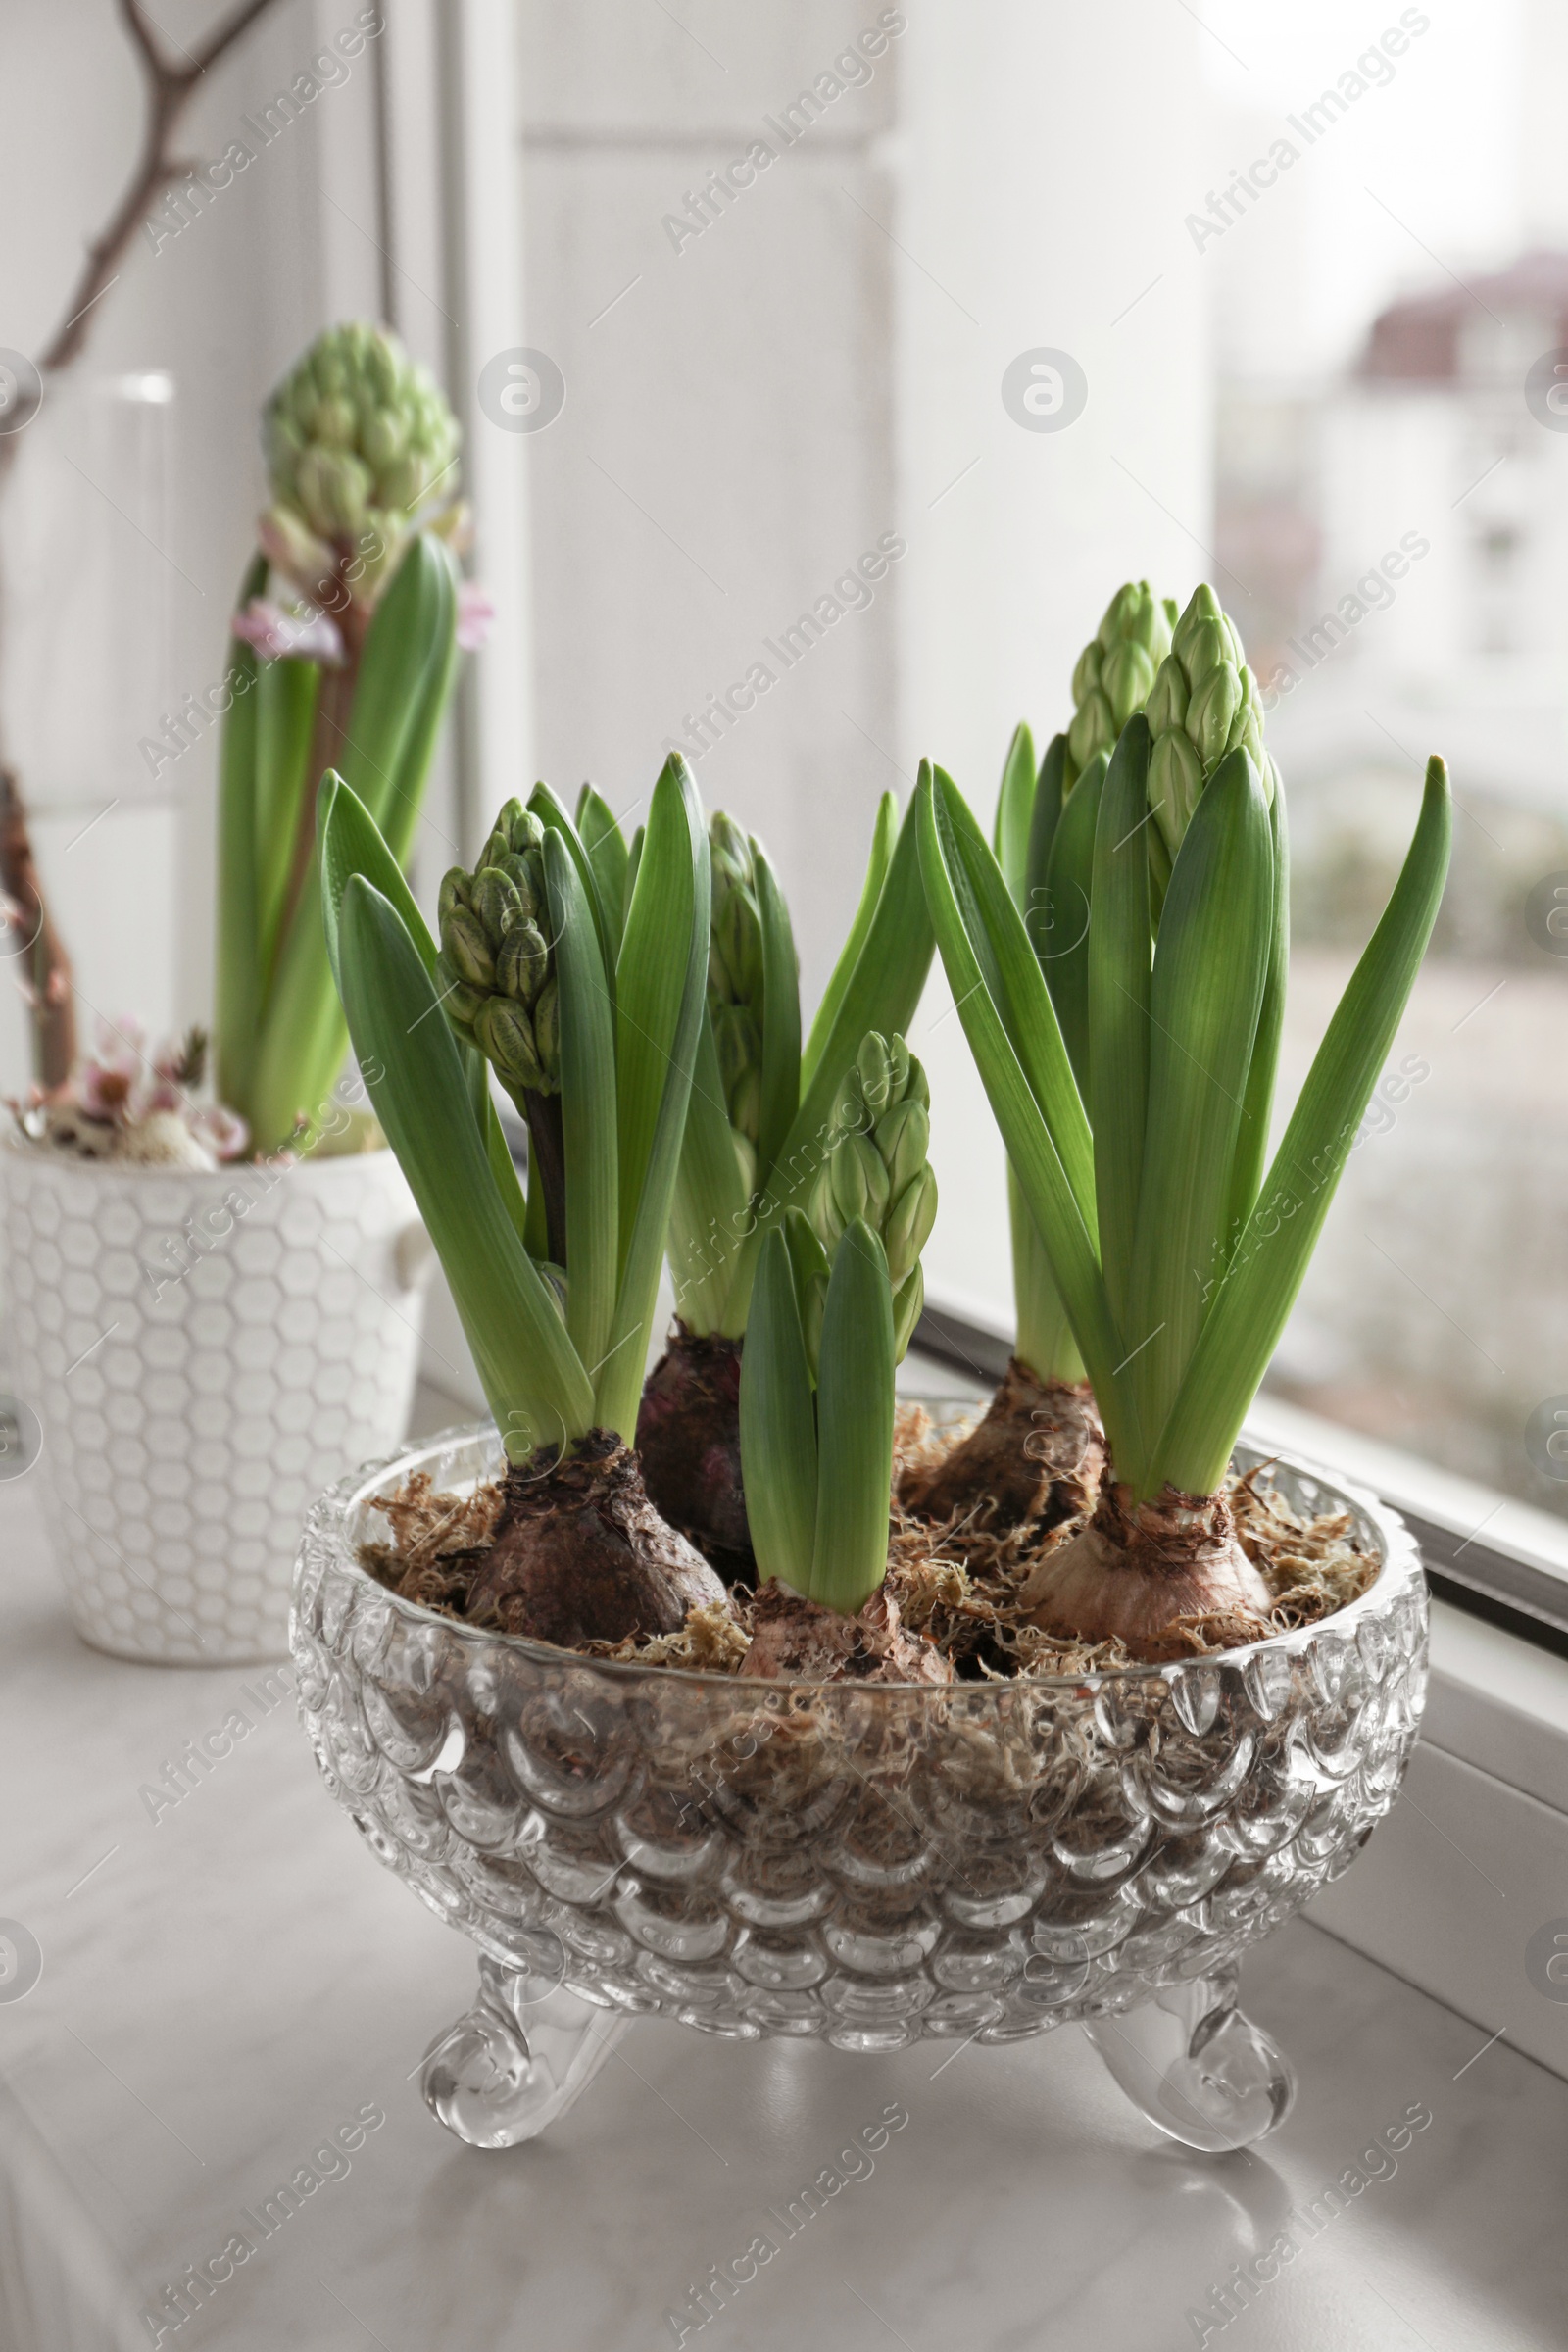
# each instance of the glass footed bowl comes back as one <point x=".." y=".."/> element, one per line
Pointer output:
<point x="871" y="1865"/>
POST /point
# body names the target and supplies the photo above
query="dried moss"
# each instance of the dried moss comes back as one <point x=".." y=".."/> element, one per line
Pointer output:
<point x="959" y="1585"/>
<point x="437" y="1541"/>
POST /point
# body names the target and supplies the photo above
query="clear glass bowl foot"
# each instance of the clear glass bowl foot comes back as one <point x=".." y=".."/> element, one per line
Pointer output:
<point x="494" y="2079"/>
<point x="1197" y="2067"/>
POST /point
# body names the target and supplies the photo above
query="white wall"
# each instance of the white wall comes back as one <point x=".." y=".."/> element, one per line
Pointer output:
<point x="815" y="370"/>
<point x="726" y="448"/>
<point x="1039" y="184"/>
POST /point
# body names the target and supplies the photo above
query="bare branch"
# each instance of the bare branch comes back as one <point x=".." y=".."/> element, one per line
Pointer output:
<point x="239" y="24"/>
<point x="141" y="32"/>
<point x="51" y="1001"/>
<point x="169" y="91"/>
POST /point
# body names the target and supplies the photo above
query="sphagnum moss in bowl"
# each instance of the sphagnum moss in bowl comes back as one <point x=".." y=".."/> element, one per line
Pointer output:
<point x="831" y="1806"/>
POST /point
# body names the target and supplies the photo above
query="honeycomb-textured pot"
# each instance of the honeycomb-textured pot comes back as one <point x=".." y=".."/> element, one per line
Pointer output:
<point x="186" y="1422"/>
<point x="870" y="1864"/>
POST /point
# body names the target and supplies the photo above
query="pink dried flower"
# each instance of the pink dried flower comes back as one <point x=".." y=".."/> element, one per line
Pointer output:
<point x="222" y="1130"/>
<point x="122" y="1084"/>
<point x="477" y="614"/>
<point x="124" y="1038"/>
<point x="103" y="1094"/>
<point x="107" y="1086"/>
<point x="307" y="635"/>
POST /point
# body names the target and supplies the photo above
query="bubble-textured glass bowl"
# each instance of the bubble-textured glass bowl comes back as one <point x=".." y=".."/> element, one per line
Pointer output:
<point x="867" y="1864"/>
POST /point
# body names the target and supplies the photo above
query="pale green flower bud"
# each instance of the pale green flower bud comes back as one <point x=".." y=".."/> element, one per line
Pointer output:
<point x="458" y="1003"/>
<point x="405" y="482"/>
<point x="859" y="1183"/>
<point x="523" y="962"/>
<point x="1166" y="707"/>
<point x="336" y="424"/>
<point x="1247" y="727"/>
<point x="883" y="1175"/>
<point x="1086" y="677"/>
<point x="875" y="1073"/>
<point x="904" y="1139"/>
<point x="731" y="851"/>
<point x="494" y="947"/>
<point x="1115" y="672"/>
<point x="334" y="489"/>
<point x="356" y="438"/>
<point x="330" y="361"/>
<point x="1217" y="699"/>
<point x="293" y="548"/>
<point x="497" y="902"/>
<point x="851" y="1113"/>
<point x="466" y="949"/>
<point x="507" y="1038"/>
<point x="841" y="1192"/>
<point x="382" y="437"/>
<point x="1126" y="676"/>
<point x="735" y="980"/>
<point x="1134" y="617"/>
<point x="1092" y="729"/>
<point x="907" y="1303"/>
<point x="1175" y="780"/>
<point x="908" y="1224"/>
<point x="1204" y="703"/>
<point x="502" y="840"/>
<point x="525" y="882"/>
<point x="1203" y="606"/>
<point x="1210" y="647"/>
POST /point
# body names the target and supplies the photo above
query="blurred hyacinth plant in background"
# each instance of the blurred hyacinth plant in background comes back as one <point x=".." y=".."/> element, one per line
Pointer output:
<point x="343" y="658"/>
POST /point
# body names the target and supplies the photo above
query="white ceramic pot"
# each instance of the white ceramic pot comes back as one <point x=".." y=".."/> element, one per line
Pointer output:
<point x="203" y="1352"/>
